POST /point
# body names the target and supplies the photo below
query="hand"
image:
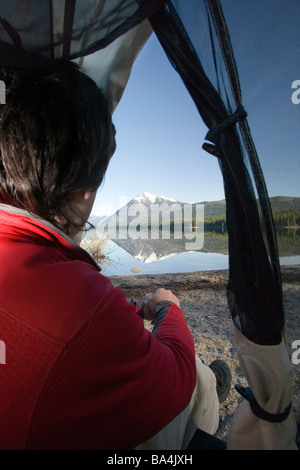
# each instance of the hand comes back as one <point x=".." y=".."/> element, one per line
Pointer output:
<point x="161" y="294"/>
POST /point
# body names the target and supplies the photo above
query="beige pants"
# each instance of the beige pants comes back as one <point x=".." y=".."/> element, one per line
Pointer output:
<point x="202" y="413"/>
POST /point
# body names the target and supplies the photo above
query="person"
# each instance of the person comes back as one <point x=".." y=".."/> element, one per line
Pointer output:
<point x="81" y="371"/>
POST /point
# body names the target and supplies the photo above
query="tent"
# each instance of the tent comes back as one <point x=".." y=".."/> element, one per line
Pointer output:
<point x="234" y="58"/>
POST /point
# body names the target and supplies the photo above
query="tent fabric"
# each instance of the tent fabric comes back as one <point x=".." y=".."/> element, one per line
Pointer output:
<point x="254" y="289"/>
<point x="36" y="32"/>
<point x="110" y="67"/>
<point x="268" y="371"/>
<point x="103" y="37"/>
<point x="208" y="47"/>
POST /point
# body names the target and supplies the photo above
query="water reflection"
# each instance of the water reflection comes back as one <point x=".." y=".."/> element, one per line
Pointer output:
<point x="162" y="256"/>
<point x="214" y="242"/>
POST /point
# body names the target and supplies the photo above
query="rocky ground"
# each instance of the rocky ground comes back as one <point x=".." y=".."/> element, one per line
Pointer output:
<point x="204" y="303"/>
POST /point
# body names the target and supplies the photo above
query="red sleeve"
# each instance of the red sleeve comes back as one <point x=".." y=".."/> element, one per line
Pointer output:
<point x="139" y="305"/>
<point x="116" y="384"/>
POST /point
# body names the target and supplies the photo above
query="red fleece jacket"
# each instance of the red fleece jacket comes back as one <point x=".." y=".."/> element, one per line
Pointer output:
<point x="81" y="370"/>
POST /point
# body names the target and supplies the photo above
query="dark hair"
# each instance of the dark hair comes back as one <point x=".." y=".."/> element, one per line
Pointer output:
<point x="56" y="138"/>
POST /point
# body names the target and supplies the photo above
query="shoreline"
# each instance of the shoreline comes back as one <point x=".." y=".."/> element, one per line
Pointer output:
<point x="214" y="279"/>
<point x="203" y="299"/>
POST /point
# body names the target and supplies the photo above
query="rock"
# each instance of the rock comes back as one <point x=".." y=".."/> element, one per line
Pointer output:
<point x="136" y="270"/>
<point x="203" y="300"/>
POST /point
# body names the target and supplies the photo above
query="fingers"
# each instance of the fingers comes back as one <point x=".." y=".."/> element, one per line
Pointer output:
<point x="163" y="294"/>
<point x="151" y="301"/>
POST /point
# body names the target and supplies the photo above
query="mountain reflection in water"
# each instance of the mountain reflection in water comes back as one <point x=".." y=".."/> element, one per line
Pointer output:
<point x="170" y="256"/>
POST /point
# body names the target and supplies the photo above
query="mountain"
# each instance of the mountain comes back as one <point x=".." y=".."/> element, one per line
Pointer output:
<point x="140" y="207"/>
<point x="284" y="203"/>
<point x="95" y="219"/>
<point x="147" y="249"/>
<point x="214" y="208"/>
<point x="211" y="209"/>
<point x="146" y="200"/>
<point x="278" y="204"/>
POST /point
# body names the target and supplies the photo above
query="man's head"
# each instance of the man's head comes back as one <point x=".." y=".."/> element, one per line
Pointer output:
<point x="56" y="140"/>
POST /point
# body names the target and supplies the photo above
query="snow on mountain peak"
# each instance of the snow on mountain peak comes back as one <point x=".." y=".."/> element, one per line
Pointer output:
<point x="152" y="198"/>
<point x="168" y="198"/>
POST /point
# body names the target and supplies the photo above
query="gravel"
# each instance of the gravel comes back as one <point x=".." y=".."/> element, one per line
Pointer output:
<point x="203" y="300"/>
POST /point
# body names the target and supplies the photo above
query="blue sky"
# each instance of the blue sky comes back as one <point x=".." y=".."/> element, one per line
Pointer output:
<point x="160" y="133"/>
<point x="266" y="43"/>
<point x="159" y="139"/>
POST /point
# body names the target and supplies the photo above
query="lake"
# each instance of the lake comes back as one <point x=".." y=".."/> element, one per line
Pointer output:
<point x="122" y="262"/>
<point x="131" y="257"/>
